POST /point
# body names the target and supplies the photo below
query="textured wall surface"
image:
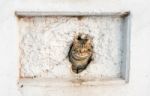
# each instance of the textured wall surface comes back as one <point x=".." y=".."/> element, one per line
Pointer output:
<point x="139" y="80"/>
<point x="45" y="42"/>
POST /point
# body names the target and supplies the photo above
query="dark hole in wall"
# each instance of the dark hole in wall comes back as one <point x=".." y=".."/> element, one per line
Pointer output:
<point x="80" y="53"/>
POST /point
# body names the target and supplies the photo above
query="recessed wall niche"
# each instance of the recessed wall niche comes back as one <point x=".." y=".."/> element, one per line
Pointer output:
<point x="45" y="40"/>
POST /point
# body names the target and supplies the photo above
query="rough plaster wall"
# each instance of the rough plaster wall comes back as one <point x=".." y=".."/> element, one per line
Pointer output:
<point x="45" y="42"/>
<point x="139" y="82"/>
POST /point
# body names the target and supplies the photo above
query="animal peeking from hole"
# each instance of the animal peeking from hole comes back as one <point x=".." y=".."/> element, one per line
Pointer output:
<point x="81" y="51"/>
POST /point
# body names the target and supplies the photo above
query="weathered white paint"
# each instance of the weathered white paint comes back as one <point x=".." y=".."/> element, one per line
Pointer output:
<point x="139" y="81"/>
<point x="45" y="43"/>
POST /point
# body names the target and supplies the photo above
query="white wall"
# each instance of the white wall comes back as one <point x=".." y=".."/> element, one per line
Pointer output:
<point x="139" y="82"/>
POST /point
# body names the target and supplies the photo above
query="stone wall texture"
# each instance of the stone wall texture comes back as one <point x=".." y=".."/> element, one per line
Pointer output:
<point x="45" y="42"/>
<point x="139" y="77"/>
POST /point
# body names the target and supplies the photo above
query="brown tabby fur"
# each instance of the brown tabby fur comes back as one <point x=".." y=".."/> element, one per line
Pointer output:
<point x="80" y="53"/>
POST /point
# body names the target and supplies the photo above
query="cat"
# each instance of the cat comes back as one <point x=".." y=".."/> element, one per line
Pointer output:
<point x="81" y="51"/>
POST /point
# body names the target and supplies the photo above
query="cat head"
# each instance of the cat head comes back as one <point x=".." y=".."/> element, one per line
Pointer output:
<point x="82" y="44"/>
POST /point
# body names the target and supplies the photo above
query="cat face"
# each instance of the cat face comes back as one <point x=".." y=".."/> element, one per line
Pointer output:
<point x="82" y="46"/>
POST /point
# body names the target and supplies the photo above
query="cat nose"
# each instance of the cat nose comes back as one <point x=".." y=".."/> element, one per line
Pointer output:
<point x="82" y="50"/>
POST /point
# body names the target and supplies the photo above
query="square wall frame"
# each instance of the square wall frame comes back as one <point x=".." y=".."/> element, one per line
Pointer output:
<point x="125" y="65"/>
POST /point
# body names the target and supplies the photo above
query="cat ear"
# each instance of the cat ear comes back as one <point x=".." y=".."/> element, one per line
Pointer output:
<point x="77" y="35"/>
<point x="89" y="40"/>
